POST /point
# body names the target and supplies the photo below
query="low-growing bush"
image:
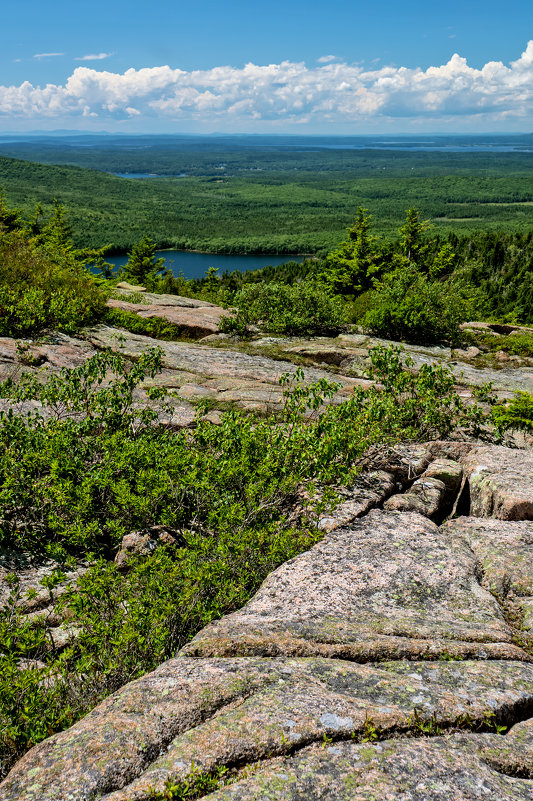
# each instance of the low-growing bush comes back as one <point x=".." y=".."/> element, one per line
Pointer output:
<point x="96" y="465"/>
<point x="301" y="308"/>
<point x="409" y="306"/>
<point x="147" y="326"/>
<point x="516" y="414"/>
<point x="36" y="294"/>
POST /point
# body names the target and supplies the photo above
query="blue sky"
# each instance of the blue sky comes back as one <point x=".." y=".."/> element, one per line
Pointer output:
<point x="350" y="67"/>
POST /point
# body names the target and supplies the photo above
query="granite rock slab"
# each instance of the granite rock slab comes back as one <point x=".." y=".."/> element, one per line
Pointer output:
<point x="194" y="714"/>
<point x="389" y="586"/>
<point x="431" y="769"/>
<point x="504" y="550"/>
<point x="193" y="321"/>
<point x="500" y="482"/>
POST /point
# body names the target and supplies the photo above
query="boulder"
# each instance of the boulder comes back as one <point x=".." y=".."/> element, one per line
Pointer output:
<point x="389" y="586"/>
<point x="143" y="543"/>
<point x="501" y="482"/>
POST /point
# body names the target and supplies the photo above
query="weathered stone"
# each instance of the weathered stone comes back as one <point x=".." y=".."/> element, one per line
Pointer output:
<point x="409" y="460"/>
<point x="430" y="769"/>
<point x="251" y="381"/>
<point x="503" y="549"/>
<point x="201" y="714"/>
<point x="30" y="571"/>
<point x="369" y="491"/>
<point x="143" y="543"/>
<point x="390" y="586"/>
<point x="156" y="299"/>
<point x="450" y="449"/>
<point x="192" y="321"/>
<point x="127" y="287"/>
<point x="351" y="352"/>
<point x="432" y="492"/>
<point x="466" y="353"/>
<point x="449" y="471"/>
<point x="501" y="482"/>
<point x="512" y="754"/>
<point x="426" y="496"/>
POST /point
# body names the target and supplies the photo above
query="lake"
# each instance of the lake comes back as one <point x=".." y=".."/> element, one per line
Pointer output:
<point x="195" y="265"/>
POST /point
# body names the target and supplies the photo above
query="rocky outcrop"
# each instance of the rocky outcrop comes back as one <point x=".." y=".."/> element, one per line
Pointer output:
<point x="350" y="353"/>
<point x="390" y="586"/>
<point x="436" y="769"/>
<point x="267" y="694"/>
<point x="143" y="543"/>
<point x="500" y="482"/>
<point x="213" y="713"/>
<point x="192" y="318"/>
<point x="28" y="595"/>
<point x="432" y="493"/>
<point x="391" y="661"/>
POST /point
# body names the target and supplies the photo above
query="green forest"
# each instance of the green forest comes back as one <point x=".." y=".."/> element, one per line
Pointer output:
<point x="269" y="200"/>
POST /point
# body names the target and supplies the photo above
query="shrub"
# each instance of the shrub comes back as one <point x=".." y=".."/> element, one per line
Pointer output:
<point x="408" y="306"/>
<point x="516" y="414"/>
<point x="303" y="308"/>
<point x="38" y="292"/>
<point x="147" y="326"/>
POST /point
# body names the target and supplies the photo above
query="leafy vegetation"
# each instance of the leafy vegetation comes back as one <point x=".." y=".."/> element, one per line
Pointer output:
<point x="154" y="327"/>
<point x="43" y="282"/>
<point x="516" y="414"/>
<point x="303" y="308"/>
<point x="98" y="466"/>
<point x="407" y="306"/>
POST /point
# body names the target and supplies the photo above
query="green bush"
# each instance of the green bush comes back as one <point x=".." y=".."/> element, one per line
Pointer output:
<point x="408" y="306"/>
<point x="99" y="466"/>
<point x="147" y="326"/>
<point x="303" y="308"/>
<point x="518" y="343"/>
<point x="517" y="414"/>
<point x="39" y="291"/>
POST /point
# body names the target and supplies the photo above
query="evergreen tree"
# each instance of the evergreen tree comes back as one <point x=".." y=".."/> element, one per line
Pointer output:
<point x="142" y="266"/>
<point x="353" y="264"/>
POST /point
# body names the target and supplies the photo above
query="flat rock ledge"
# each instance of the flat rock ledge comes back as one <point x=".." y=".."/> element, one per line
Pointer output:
<point x="389" y="586"/>
<point x="200" y="714"/>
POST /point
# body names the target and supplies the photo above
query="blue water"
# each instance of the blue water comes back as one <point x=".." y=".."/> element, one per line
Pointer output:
<point x="147" y="175"/>
<point x="195" y="265"/>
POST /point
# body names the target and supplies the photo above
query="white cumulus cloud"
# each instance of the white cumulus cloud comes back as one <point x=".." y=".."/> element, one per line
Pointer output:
<point x="332" y="91"/>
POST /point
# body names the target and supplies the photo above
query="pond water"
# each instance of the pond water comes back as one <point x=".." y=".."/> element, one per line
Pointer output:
<point x="195" y="265"/>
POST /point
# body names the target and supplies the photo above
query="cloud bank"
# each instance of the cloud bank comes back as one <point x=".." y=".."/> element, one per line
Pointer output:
<point x="289" y="91"/>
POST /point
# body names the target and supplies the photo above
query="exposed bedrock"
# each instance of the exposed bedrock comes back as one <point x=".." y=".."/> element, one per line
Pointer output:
<point x="501" y="482"/>
<point x="211" y="713"/>
<point x="390" y="586"/>
<point x="461" y="768"/>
